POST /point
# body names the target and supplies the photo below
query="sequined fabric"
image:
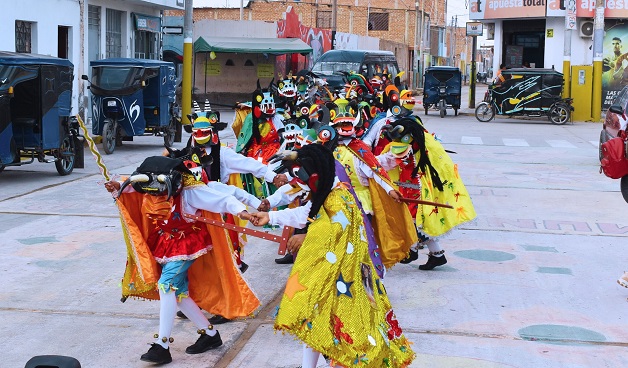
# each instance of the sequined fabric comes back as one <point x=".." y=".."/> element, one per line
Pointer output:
<point x="334" y="301"/>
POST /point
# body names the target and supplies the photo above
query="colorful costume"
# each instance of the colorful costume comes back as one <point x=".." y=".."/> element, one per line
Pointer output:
<point x="334" y="301"/>
<point x="392" y="222"/>
<point x="425" y="171"/>
<point x="182" y="263"/>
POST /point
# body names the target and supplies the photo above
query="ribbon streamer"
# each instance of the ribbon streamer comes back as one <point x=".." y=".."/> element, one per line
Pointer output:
<point x="92" y="147"/>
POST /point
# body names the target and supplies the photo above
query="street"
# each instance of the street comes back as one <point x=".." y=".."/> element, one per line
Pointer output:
<point x="531" y="282"/>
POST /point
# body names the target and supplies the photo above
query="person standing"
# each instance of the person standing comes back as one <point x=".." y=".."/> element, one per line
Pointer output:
<point x="334" y="301"/>
<point x="180" y="262"/>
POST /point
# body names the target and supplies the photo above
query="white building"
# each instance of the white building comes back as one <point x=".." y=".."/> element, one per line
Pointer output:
<point x="85" y="30"/>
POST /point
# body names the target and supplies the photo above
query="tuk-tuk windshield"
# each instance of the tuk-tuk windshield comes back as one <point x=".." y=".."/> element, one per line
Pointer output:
<point x="10" y="75"/>
<point x="115" y="78"/>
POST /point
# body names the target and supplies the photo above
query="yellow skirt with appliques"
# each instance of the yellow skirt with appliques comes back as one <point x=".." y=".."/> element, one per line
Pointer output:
<point x="334" y="302"/>
<point x="438" y="220"/>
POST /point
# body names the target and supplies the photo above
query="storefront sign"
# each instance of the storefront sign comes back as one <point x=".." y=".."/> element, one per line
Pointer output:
<point x="265" y="70"/>
<point x="212" y="68"/>
<point x="503" y="9"/>
<point x="612" y="8"/>
<point x="474" y="29"/>
<point x="550" y="33"/>
<point x="147" y="23"/>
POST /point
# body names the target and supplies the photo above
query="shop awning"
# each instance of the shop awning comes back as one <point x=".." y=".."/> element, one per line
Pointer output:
<point x="252" y="45"/>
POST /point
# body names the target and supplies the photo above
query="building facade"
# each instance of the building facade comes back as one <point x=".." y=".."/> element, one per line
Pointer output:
<point x="85" y="30"/>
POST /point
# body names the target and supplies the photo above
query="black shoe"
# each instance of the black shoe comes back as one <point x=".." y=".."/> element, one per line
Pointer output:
<point x="181" y="315"/>
<point x="287" y="259"/>
<point x="432" y="262"/>
<point x="243" y="267"/>
<point x="413" y="256"/>
<point x="157" y="354"/>
<point x="204" y="343"/>
<point x="218" y="320"/>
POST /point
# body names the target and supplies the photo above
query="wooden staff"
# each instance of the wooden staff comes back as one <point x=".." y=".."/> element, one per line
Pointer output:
<point x="281" y="239"/>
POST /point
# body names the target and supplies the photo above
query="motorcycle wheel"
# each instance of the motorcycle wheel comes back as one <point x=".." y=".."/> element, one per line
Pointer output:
<point x="426" y="108"/>
<point x="109" y="137"/>
<point x="455" y="112"/>
<point x="559" y="114"/>
<point x="443" y="108"/>
<point x="65" y="160"/>
<point x="623" y="186"/>
<point x="484" y="112"/>
<point x="169" y="132"/>
<point x="1" y="168"/>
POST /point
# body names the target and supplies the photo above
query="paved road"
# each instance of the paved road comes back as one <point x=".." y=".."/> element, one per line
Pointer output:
<point x="529" y="283"/>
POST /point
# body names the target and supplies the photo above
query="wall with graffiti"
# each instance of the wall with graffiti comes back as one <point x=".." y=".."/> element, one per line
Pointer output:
<point x="319" y="39"/>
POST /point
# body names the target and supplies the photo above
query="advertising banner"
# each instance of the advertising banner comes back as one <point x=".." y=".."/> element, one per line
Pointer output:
<point x="612" y="8"/>
<point x="504" y="9"/>
<point x="615" y="60"/>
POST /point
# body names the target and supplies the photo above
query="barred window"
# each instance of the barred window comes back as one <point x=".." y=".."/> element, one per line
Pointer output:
<point x="114" y="33"/>
<point x="23" y="36"/>
<point x="323" y="19"/>
<point x="378" y="21"/>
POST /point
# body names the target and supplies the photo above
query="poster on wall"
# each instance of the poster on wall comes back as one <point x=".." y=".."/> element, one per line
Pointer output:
<point x="615" y="60"/>
<point x="504" y="9"/>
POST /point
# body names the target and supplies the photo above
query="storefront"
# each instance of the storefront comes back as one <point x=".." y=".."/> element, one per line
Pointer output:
<point x="531" y="33"/>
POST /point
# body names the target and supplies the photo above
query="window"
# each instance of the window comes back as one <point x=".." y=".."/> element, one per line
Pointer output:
<point x="114" y="33"/>
<point x="23" y="36"/>
<point x="93" y="32"/>
<point x="248" y="62"/>
<point x="378" y="21"/>
<point x="146" y="45"/>
<point x="527" y="40"/>
<point x="229" y="62"/>
<point x="323" y="19"/>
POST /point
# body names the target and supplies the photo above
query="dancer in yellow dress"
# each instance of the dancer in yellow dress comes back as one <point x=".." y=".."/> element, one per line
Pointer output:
<point x="334" y="301"/>
<point x="417" y="161"/>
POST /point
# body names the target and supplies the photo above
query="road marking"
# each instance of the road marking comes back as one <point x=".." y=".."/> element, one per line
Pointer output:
<point x="516" y="142"/>
<point x="471" y="140"/>
<point x="559" y="143"/>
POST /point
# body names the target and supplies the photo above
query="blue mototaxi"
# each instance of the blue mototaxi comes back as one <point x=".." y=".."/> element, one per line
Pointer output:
<point x="442" y="87"/>
<point x="133" y="97"/>
<point x="35" y="112"/>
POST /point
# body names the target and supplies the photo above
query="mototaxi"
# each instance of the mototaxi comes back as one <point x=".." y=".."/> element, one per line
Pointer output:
<point x="35" y="112"/>
<point x="442" y="86"/>
<point x="532" y="92"/>
<point x="133" y="97"/>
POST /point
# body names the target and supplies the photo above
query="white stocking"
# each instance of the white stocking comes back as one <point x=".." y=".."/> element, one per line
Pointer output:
<point x="434" y="247"/>
<point x="310" y="357"/>
<point x="167" y="313"/>
<point x="194" y="314"/>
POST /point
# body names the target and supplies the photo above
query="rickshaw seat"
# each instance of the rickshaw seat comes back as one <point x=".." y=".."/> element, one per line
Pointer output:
<point x="26" y="124"/>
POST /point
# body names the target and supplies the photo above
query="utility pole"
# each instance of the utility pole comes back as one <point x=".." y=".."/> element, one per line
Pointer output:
<point x="415" y="64"/>
<point x="334" y="15"/>
<point x="241" y="9"/>
<point x="420" y="63"/>
<point x="598" y="38"/>
<point x="570" y="25"/>
<point x="186" y="86"/>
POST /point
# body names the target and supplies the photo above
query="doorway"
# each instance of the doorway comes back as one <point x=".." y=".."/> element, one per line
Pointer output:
<point x="524" y="43"/>
<point x="63" y="47"/>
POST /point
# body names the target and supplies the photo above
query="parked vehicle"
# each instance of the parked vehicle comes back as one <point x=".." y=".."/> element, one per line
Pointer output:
<point x="133" y="97"/>
<point x="334" y="64"/>
<point x="526" y="92"/>
<point x="615" y="127"/>
<point x="442" y="87"/>
<point x="35" y="108"/>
